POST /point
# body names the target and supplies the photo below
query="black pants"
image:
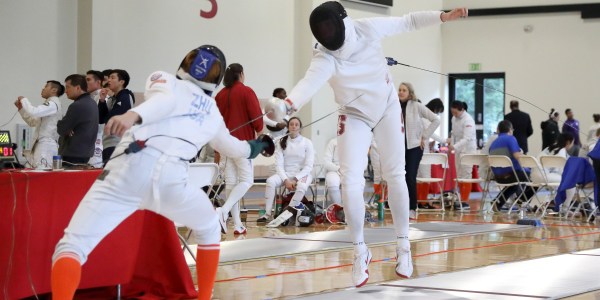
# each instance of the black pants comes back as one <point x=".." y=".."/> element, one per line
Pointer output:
<point x="413" y="159"/>
<point x="509" y="191"/>
<point x="106" y="153"/>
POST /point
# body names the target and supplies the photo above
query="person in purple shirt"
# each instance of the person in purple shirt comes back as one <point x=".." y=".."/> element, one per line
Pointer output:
<point x="571" y="126"/>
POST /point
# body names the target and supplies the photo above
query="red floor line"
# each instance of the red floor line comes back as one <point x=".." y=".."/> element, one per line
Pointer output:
<point x="414" y="256"/>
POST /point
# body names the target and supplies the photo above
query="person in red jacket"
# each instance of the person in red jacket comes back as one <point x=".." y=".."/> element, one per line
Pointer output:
<point x="239" y="105"/>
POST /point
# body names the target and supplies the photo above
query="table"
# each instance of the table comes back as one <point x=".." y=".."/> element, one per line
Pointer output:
<point x="437" y="172"/>
<point x="142" y="254"/>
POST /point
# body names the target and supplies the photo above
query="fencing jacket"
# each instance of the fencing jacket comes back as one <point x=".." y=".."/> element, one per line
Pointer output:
<point x="178" y="118"/>
<point x="463" y="133"/>
<point x="359" y="67"/>
<point x="43" y="117"/>
<point x="296" y="160"/>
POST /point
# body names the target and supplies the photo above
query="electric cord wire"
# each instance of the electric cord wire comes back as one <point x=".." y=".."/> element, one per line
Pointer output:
<point x="13" y="116"/>
<point x="391" y="62"/>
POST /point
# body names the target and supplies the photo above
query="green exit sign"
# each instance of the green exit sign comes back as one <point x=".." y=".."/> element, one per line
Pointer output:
<point x="474" y="67"/>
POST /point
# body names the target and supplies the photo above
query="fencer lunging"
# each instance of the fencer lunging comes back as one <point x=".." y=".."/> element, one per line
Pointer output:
<point x="350" y="57"/>
<point x="150" y="169"/>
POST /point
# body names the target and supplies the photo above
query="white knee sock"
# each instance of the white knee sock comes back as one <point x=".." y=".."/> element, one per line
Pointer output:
<point x="235" y="194"/>
<point x="354" y="211"/>
<point x="334" y="194"/>
<point x="399" y="205"/>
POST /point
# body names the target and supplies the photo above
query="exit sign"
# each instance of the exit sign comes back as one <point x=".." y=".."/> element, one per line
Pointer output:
<point x="474" y="67"/>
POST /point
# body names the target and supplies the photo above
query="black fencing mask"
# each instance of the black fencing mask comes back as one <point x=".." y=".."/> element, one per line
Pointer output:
<point x="327" y="24"/>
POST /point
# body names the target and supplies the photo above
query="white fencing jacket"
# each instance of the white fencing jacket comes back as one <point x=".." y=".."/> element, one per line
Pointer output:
<point x="464" y="136"/>
<point x="43" y="117"/>
<point x="296" y="160"/>
<point x="359" y="67"/>
<point x="180" y="118"/>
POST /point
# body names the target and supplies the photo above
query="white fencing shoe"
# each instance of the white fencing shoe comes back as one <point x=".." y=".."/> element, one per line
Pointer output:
<point x="404" y="265"/>
<point x="360" y="268"/>
<point x="284" y="216"/>
<point x="222" y="219"/>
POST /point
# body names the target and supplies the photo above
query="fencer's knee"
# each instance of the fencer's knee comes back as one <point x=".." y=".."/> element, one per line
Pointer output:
<point x="210" y="234"/>
<point x="272" y="182"/>
<point x="67" y="248"/>
<point x="301" y="187"/>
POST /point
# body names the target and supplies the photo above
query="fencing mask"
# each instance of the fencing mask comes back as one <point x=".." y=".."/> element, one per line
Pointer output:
<point x="327" y="24"/>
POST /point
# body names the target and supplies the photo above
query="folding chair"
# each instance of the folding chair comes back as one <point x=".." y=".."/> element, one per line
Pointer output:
<point x="471" y="160"/>
<point x="435" y="159"/>
<point x="539" y="184"/>
<point x="200" y="175"/>
<point x="552" y="162"/>
<point x="501" y="161"/>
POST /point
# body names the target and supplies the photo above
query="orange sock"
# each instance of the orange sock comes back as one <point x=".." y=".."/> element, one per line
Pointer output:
<point x="422" y="190"/>
<point x="465" y="191"/>
<point x="207" y="262"/>
<point x="65" y="277"/>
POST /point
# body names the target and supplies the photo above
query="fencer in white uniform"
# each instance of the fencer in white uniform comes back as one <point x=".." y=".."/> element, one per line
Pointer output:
<point x="463" y="140"/>
<point x="149" y="169"/>
<point x="332" y="166"/>
<point x="44" y="118"/>
<point x="350" y="57"/>
<point x="294" y="156"/>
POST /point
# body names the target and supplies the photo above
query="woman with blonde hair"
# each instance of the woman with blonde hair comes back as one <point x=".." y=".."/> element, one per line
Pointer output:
<point x="416" y="137"/>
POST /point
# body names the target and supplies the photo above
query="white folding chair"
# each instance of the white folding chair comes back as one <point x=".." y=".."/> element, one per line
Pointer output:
<point x="470" y="160"/>
<point x="501" y="161"/>
<point x="200" y="176"/>
<point x="555" y="163"/>
<point x="538" y="183"/>
<point x="435" y="159"/>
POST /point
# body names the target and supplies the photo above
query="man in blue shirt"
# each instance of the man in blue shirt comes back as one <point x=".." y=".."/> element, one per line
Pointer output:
<point x="506" y="144"/>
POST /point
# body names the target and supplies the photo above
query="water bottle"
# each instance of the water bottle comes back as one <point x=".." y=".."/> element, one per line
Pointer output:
<point x="380" y="207"/>
<point x="522" y="212"/>
<point x="56" y="162"/>
<point x="278" y="204"/>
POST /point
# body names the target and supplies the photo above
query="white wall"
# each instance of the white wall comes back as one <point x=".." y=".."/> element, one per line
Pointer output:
<point x="273" y="43"/>
<point x="143" y="36"/>
<point x="38" y="44"/>
<point x="554" y="66"/>
<point x="509" y="3"/>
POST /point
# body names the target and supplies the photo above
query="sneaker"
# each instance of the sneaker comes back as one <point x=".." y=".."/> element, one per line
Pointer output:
<point x="222" y="219"/>
<point x="412" y="215"/>
<point x="300" y="207"/>
<point x="360" y="268"/>
<point x="239" y="230"/>
<point x="465" y="206"/>
<point x="404" y="265"/>
<point x="284" y="216"/>
<point x="506" y="207"/>
<point x="263" y="219"/>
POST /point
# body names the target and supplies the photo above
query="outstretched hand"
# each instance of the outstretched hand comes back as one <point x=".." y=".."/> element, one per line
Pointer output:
<point x="117" y="125"/>
<point x="454" y="14"/>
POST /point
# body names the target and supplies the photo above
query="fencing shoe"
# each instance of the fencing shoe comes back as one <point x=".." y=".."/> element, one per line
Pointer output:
<point x="404" y="266"/>
<point x="222" y="219"/>
<point x="239" y="230"/>
<point x="284" y="216"/>
<point x="360" y="268"/>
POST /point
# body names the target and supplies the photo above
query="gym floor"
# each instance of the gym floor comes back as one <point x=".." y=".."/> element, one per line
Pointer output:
<point x="293" y="276"/>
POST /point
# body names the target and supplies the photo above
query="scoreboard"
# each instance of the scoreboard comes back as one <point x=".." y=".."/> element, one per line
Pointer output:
<point x="6" y="150"/>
